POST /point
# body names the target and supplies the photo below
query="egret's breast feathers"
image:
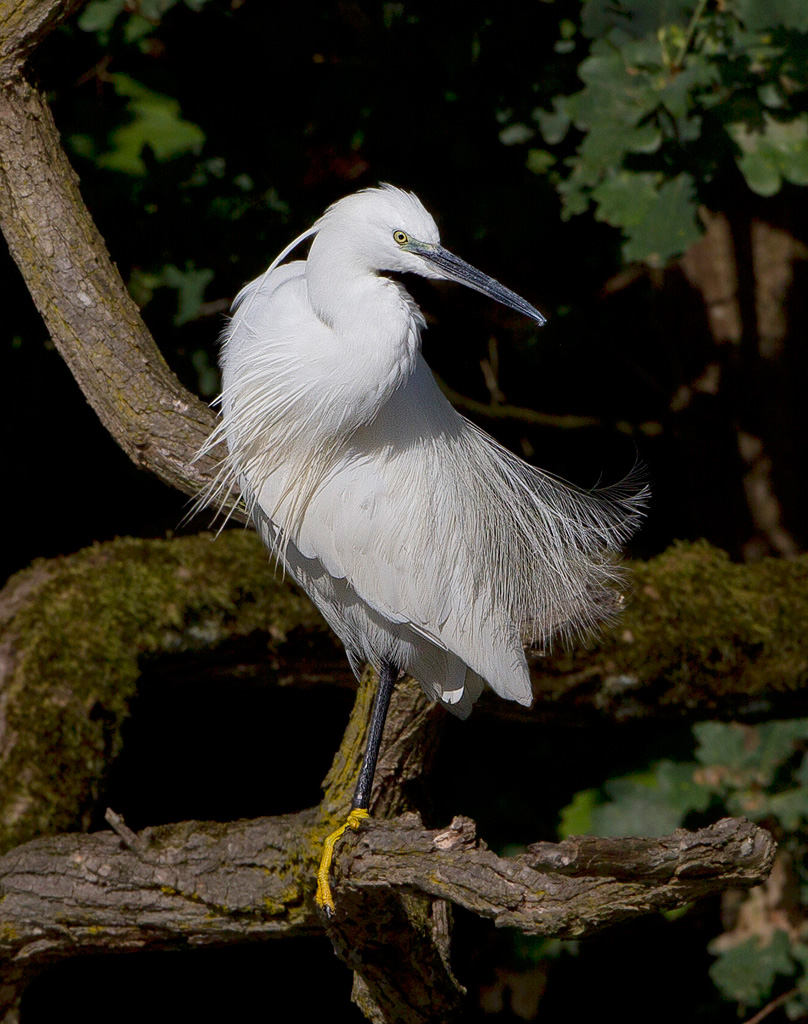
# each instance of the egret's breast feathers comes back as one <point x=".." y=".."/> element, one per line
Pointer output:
<point x="422" y="540"/>
<point x="431" y="523"/>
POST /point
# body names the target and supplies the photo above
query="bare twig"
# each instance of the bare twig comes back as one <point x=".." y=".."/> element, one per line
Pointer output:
<point x="533" y="417"/>
<point x="772" y="1006"/>
<point x="689" y="34"/>
<point x="131" y="839"/>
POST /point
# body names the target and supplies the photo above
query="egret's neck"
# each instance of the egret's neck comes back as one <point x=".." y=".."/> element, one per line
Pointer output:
<point x="375" y="326"/>
<point x="343" y="290"/>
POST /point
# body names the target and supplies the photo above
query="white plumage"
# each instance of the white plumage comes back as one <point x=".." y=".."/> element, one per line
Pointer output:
<point x="423" y="542"/>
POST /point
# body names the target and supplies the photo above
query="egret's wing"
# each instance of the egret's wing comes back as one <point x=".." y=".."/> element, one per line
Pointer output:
<point x="417" y="580"/>
<point x="386" y="521"/>
<point x="267" y="284"/>
<point x="351" y="541"/>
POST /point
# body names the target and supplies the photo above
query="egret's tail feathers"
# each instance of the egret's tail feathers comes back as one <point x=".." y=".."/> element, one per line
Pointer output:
<point x="465" y="699"/>
<point x="548" y="548"/>
<point x="446" y="678"/>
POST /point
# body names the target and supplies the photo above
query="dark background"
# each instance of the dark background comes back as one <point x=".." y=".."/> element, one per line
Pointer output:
<point x="300" y="104"/>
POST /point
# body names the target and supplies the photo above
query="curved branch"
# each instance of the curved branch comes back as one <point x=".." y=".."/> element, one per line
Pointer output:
<point x="91" y="317"/>
<point x="496" y="413"/>
<point x="23" y="26"/>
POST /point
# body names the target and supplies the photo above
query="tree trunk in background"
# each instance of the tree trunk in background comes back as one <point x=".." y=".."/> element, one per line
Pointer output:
<point x="751" y="274"/>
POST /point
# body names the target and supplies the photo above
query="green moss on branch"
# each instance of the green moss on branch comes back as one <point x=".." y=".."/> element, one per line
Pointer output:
<point x="75" y="631"/>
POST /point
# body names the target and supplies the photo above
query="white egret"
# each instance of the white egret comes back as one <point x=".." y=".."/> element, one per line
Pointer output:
<point x="428" y="547"/>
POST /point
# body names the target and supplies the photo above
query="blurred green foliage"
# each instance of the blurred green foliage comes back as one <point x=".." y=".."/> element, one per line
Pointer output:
<point x="139" y="18"/>
<point x="675" y="95"/>
<point x="747" y="972"/>
<point x="759" y="772"/>
<point x="189" y="284"/>
<point x="155" y="122"/>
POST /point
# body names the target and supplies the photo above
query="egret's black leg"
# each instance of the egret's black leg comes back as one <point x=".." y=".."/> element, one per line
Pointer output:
<point x="381" y="703"/>
<point x="364" y="785"/>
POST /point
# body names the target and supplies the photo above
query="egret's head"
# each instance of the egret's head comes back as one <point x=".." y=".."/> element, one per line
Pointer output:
<point x="372" y="227"/>
<point x="388" y="229"/>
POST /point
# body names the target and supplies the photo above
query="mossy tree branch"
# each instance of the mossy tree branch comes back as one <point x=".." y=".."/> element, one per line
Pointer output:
<point x="65" y="688"/>
<point x="700" y="637"/>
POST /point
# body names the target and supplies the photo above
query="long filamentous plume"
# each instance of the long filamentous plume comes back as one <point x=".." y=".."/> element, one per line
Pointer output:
<point x="547" y="548"/>
<point x="471" y="552"/>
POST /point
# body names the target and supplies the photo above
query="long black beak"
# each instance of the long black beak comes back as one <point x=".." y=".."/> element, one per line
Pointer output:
<point x="455" y="269"/>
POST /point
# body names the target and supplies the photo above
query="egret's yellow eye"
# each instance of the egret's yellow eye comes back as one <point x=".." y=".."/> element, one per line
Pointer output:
<point x="401" y="237"/>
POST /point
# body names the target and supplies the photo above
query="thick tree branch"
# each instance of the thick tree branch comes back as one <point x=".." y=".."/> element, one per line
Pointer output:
<point x="65" y="688"/>
<point x="397" y="944"/>
<point x="197" y="884"/>
<point x="23" y="26"/>
<point x="91" y="318"/>
<point x="700" y="636"/>
<point x="581" y="899"/>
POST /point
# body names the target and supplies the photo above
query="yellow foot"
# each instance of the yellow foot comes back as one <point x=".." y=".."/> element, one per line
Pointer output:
<point x="323" y="897"/>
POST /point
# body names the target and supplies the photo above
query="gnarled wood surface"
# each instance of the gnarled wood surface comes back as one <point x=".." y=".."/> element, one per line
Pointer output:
<point x="200" y="884"/>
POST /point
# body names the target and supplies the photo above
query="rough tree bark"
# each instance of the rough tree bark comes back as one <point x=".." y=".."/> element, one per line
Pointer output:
<point x="246" y="881"/>
<point x="204" y="884"/>
<point x="92" y="319"/>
